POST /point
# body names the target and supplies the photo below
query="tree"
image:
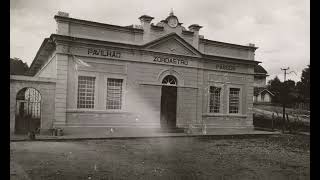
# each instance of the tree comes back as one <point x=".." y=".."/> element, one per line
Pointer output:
<point x="283" y="92"/>
<point x="290" y="84"/>
<point x="18" y="67"/>
<point x="289" y="92"/>
<point x="275" y="85"/>
<point x="303" y="86"/>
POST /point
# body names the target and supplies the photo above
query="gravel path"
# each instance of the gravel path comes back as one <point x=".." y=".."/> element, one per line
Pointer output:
<point x="275" y="157"/>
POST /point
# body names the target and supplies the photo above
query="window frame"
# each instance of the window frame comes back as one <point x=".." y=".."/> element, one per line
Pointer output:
<point x="228" y="99"/>
<point x="221" y="99"/>
<point x="123" y="93"/>
<point x="95" y="90"/>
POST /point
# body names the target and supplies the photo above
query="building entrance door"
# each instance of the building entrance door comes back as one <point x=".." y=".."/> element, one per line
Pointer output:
<point x="168" y="106"/>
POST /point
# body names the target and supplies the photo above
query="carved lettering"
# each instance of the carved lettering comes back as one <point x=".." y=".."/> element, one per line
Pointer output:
<point x="105" y="53"/>
<point x="169" y="60"/>
<point x="225" y="67"/>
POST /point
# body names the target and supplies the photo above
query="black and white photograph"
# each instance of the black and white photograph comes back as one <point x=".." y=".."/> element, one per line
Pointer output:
<point x="149" y="89"/>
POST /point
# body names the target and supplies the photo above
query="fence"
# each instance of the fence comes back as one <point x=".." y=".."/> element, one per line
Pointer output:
<point x="303" y="106"/>
<point x="275" y="122"/>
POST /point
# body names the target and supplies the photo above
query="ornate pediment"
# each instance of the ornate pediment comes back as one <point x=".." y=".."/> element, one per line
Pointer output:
<point x="173" y="44"/>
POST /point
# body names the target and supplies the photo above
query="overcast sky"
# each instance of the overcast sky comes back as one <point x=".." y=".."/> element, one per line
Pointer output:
<point x="280" y="28"/>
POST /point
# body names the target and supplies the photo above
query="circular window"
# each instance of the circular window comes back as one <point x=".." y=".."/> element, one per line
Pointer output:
<point x="169" y="80"/>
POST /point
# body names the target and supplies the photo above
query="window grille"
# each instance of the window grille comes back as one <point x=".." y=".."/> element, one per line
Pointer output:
<point x="234" y="98"/>
<point x="214" y="102"/>
<point x="114" y="93"/>
<point x="28" y="102"/>
<point x="86" y="86"/>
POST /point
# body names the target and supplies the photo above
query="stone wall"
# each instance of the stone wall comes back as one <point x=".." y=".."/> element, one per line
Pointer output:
<point x="46" y="87"/>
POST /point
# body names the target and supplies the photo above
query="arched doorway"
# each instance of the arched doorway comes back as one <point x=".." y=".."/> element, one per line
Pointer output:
<point x="28" y="111"/>
<point x="168" y="102"/>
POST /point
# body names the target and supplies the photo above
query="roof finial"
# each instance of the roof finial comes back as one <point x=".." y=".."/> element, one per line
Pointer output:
<point x="171" y="13"/>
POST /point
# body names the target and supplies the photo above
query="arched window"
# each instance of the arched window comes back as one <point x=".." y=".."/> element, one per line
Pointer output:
<point x="169" y="80"/>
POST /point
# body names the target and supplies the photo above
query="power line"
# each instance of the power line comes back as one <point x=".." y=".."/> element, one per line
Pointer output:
<point x="285" y="72"/>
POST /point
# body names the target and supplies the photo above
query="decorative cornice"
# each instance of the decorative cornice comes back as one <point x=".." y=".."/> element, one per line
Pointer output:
<point x="57" y="37"/>
<point x="63" y="39"/>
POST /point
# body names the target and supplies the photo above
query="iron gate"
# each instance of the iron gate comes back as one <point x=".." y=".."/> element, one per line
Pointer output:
<point x="28" y="111"/>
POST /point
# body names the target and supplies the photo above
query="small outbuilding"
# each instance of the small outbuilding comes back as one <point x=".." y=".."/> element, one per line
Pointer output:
<point x="262" y="95"/>
<point x="260" y="92"/>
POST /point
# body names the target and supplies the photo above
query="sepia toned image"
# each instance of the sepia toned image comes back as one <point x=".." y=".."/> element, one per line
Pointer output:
<point x="159" y="90"/>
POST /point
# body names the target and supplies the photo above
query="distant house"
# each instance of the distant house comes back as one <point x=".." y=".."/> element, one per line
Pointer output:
<point x="260" y="93"/>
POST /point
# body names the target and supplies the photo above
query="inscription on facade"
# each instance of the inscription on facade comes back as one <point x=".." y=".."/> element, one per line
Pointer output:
<point x="106" y="53"/>
<point x="225" y="67"/>
<point x="170" y="60"/>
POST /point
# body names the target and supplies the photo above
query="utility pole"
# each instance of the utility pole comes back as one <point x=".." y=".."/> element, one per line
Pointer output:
<point x="283" y="99"/>
<point x="285" y="72"/>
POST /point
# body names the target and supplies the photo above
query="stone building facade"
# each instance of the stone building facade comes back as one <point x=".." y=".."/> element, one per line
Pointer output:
<point x="143" y="76"/>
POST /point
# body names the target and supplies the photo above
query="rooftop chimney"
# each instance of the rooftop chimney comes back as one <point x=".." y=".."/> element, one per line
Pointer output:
<point x="145" y="19"/>
<point x="62" y="26"/>
<point x="64" y="14"/>
<point x="145" y="23"/>
<point x="195" y="29"/>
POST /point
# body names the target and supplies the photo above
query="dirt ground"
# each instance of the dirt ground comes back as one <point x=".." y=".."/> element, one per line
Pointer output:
<point x="274" y="157"/>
